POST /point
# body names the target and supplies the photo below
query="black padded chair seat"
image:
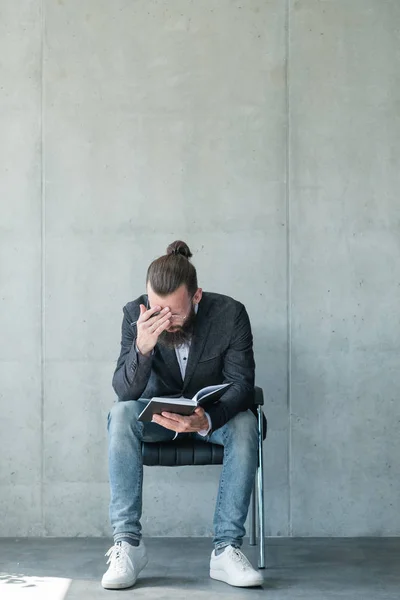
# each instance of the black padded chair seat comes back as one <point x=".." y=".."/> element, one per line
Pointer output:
<point x="180" y="453"/>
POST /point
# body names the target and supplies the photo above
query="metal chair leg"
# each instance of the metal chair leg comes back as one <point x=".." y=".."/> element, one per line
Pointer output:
<point x="253" y="517"/>
<point x="260" y="481"/>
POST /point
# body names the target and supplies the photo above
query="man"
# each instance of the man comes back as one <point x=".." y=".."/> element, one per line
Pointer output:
<point x="175" y="341"/>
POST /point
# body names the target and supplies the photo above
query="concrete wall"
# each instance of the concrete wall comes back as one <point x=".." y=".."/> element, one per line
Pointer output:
<point x="267" y="135"/>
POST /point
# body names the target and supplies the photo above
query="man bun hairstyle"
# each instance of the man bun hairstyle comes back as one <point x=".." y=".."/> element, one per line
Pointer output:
<point x="179" y="247"/>
<point x="167" y="273"/>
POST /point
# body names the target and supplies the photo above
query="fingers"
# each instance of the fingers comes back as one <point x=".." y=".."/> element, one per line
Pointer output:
<point x="168" y="423"/>
<point x="178" y="423"/>
<point x="154" y="320"/>
<point x="146" y="314"/>
<point x="182" y="423"/>
<point x="159" y="317"/>
<point x="174" y="417"/>
<point x="158" y="325"/>
<point x="173" y="421"/>
<point x="164" y="325"/>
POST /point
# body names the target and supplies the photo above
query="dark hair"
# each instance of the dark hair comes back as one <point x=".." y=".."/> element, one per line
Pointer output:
<point x="167" y="273"/>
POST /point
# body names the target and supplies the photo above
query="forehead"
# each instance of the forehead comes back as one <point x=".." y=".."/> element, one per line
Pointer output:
<point x="177" y="299"/>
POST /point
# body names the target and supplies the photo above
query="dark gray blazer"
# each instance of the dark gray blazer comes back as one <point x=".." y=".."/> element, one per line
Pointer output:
<point x="221" y="351"/>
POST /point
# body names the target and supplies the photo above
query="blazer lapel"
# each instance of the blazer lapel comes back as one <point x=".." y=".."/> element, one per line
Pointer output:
<point x="169" y="357"/>
<point x="201" y="329"/>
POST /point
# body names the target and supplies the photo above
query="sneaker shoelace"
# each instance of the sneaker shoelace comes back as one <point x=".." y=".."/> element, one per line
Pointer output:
<point x="117" y="558"/>
<point x="240" y="558"/>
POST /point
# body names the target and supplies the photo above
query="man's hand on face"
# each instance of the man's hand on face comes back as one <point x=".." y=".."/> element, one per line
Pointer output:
<point x="194" y="423"/>
<point x="149" y="326"/>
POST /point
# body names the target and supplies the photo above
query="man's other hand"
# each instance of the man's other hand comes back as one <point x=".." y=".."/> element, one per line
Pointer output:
<point x="192" y="424"/>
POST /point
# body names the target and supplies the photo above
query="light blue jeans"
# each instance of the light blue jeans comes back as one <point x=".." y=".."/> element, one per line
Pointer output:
<point x="126" y="433"/>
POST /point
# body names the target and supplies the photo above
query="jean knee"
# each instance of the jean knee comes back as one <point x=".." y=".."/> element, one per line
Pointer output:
<point x="243" y="429"/>
<point x="124" y="414"/>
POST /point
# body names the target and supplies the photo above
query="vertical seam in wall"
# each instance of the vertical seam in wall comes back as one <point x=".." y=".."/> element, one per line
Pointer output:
<point x="288" y="271"/>
<point x="43" y="255"/>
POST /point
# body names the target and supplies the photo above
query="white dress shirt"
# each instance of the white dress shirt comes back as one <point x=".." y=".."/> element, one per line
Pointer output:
<point x="182" y="355"/>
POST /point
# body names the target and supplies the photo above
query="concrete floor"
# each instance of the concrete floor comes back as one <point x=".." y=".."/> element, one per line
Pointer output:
<point x="312" y="569"/>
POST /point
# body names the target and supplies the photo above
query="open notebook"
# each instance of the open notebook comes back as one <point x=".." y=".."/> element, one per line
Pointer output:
<point x="183" y="406"/>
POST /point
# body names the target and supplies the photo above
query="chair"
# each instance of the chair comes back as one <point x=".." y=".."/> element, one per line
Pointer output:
<point x="192" y="452"/>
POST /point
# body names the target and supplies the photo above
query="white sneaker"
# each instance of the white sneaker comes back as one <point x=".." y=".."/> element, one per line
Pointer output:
<point x="231" y="566"/>
<point x="126" y="562"/>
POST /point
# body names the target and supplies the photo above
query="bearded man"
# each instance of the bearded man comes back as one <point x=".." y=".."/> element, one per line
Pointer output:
<point x="175" y="341"/>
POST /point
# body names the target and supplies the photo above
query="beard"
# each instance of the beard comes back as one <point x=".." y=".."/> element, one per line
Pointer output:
<point x="182" y="334"/>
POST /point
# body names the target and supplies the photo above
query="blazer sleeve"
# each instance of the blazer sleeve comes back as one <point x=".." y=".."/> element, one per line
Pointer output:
<point x="238" y="368"/>
<point x="133" y="369"/>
